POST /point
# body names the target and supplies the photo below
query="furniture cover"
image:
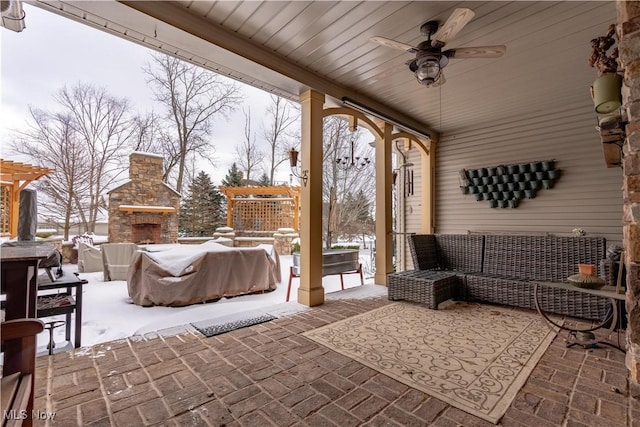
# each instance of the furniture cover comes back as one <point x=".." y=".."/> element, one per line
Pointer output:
<point x="116" y="258"/>
<point x="89" y="258"/>
<point x="190" y="274"/>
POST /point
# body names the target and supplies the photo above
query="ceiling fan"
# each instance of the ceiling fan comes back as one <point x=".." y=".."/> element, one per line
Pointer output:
<point x="430" y="58"/>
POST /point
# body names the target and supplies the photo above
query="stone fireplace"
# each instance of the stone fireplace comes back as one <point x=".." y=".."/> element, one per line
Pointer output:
<point x="144" y="209"/>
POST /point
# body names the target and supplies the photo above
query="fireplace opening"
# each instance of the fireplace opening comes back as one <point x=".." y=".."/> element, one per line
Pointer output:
<point x="143" y="234"/>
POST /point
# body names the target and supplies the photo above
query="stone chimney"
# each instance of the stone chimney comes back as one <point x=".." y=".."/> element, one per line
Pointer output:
<point x="144" y="209"/>
<point x="145" y="167"/>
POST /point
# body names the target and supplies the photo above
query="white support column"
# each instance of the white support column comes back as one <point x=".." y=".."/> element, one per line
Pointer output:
<point x="311" y="292"/>
<point x="384" y="224"/>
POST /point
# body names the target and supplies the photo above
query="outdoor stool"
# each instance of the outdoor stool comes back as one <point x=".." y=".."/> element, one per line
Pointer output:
<point x="50" y="326"/>
<point x="428" y="287"/>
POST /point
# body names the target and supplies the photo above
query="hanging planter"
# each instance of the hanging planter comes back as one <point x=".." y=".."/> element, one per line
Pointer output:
<point x="507" y="185"/>
<point x="606" y="93"/>
<point x="604" y="58"/>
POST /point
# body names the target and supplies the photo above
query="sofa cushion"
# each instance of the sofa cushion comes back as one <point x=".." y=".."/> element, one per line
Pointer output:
<point x="423" y="251"/>
<point x="460" y="252"/>
<point x="543" y="258"/>
<point x="498" y="290"/>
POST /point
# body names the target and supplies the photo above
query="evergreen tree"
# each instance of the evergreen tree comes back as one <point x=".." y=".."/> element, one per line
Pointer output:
<point x="233" y="177"/>
<point x="202" y="211"/>
<point x="264" y="180"/>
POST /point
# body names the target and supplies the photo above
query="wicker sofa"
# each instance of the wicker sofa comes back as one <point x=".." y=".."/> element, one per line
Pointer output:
<point x="501" y="269"/>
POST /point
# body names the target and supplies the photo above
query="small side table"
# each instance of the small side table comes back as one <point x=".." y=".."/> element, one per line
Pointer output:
<point x="611" y="319"/>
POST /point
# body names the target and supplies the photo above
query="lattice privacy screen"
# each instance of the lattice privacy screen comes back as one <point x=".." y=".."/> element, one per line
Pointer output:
<point x="267" y="214"/>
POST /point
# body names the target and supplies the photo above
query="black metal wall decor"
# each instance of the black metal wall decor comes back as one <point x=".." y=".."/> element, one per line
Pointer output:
<point x="505" y="185"/>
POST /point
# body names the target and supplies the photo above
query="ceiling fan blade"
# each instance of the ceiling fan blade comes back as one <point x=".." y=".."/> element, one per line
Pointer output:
<point x="476" y="52"/>
<point x="393" y="44"/>
<point x="458" y="19"/>
<point x="388" y="73"/>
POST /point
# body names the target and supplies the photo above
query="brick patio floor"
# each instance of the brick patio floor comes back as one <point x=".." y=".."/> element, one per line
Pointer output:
<point x="270" y="375"/>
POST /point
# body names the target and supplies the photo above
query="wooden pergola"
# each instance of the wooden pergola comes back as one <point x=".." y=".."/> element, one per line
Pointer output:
<point x="14" y="177"/>
<point x="282" y="194"/>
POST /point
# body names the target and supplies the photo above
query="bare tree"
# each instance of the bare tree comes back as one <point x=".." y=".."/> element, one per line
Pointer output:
<point x="85" y="142"/>
<point x="192" y="97"/>
<point x="248" y="155"/>
<point x="279" y="132"/>
<point x="348" y="193"/>
<point x="51" y="141"/>
<point x="103" y="123"/>
<point x="148" y="133"/>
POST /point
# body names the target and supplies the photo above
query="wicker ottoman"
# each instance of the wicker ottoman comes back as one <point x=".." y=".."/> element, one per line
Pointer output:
<point x="423" y="286"/>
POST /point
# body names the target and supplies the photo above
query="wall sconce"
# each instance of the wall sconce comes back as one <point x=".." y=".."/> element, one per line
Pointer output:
<point x="293" y="162"/>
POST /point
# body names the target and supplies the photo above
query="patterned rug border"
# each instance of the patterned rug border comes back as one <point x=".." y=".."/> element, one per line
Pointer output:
<point x="510" y="392"/>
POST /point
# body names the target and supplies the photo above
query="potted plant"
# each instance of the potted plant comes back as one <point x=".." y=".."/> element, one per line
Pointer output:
<point x="606" y="89"/>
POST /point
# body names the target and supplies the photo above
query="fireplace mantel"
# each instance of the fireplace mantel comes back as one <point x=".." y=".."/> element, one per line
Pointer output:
<point x="149" y="209"/>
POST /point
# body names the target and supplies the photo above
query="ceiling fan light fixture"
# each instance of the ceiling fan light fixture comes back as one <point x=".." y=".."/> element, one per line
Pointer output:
<point x="429" y="71"/>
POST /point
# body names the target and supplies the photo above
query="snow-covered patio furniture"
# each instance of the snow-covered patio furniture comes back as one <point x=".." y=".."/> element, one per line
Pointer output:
<point x="116" y="258"/>
<point x="89" y="258"/>
<point x="190" y="274"/>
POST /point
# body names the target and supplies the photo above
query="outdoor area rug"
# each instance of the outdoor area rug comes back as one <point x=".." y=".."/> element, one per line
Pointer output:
<point x="210" y="328"/>
<point x="474" y="357"/>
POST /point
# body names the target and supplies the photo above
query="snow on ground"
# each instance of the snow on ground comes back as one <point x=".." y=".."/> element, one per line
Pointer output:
<point x="108" y="314"/>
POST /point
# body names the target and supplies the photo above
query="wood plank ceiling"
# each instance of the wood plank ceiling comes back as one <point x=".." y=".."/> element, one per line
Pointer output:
<point x="325" y="45"/>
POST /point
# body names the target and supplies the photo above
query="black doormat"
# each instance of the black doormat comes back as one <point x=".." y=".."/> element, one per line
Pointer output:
<point x="210" y="328"/>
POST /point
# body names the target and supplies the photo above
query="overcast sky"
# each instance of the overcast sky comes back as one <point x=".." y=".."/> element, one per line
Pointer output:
<point x="54" y="51"/>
